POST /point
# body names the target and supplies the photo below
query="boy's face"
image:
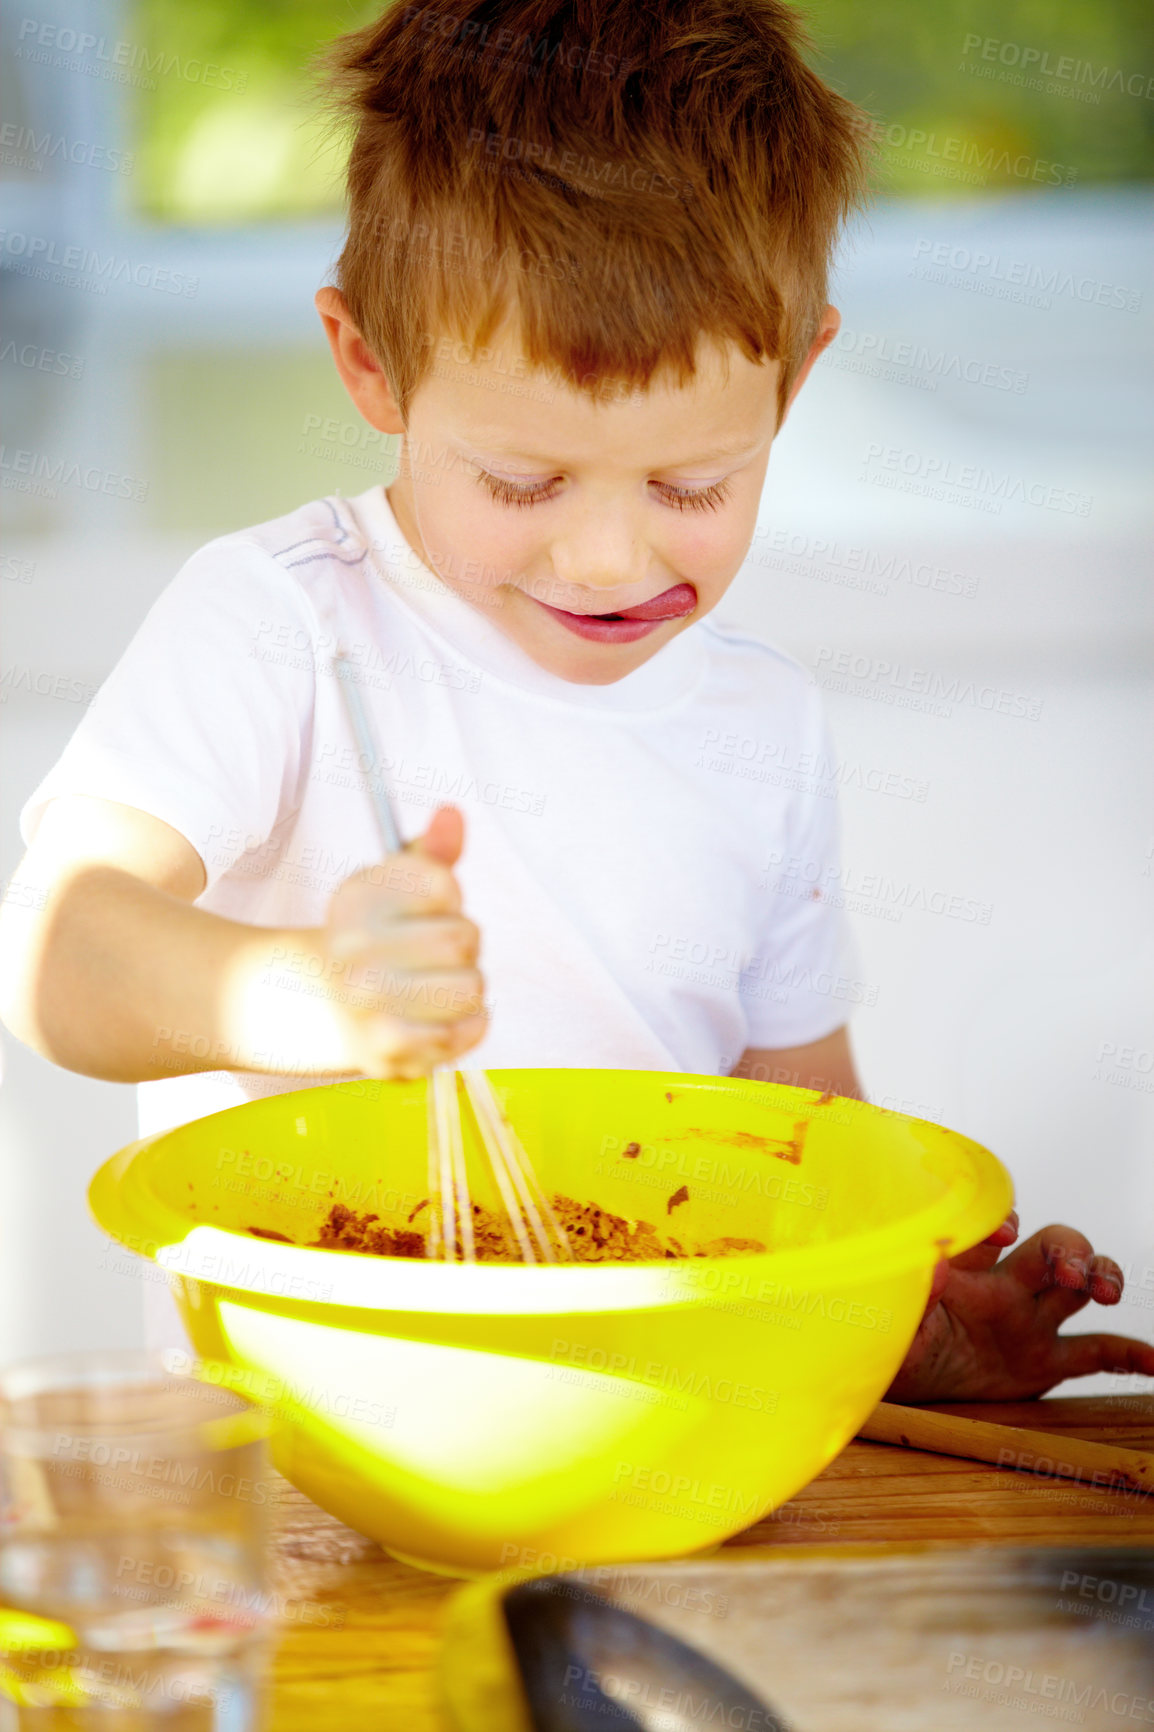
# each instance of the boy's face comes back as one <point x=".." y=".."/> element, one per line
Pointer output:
<point x="548" y="510"/>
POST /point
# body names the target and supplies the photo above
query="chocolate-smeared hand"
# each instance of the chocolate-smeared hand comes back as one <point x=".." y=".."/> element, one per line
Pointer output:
<point x="990" y="1331"/>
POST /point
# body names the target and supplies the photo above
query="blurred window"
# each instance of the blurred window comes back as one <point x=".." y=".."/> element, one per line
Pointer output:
<point x="225" y="110"/>
<point x="969" y="97"/>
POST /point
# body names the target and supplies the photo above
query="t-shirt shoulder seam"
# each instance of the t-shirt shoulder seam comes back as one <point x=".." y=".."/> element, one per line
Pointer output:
<point x="257" y="539"/>
<point x="327" y="546"/>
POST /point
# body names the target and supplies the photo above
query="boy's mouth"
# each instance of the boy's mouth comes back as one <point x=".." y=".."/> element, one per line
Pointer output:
<point x="630" y="623"/>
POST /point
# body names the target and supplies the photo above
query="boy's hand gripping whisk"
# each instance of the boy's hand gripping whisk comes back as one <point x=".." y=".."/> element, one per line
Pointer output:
<point x="414" y="927"/>
<point x="395" y="930"/>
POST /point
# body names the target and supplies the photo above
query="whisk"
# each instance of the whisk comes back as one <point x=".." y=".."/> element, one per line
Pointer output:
<point x="539" y="1234"/>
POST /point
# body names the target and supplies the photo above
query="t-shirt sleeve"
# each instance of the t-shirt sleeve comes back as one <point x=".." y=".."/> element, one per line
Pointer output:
<point x="803" y="978"/>
<point x="204" y="720"/>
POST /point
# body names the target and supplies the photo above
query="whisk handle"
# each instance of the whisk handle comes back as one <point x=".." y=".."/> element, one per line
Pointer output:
<point x="369" y="748"/>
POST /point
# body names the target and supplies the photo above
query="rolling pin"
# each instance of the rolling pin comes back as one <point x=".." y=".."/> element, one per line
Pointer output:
<point x="1107" y="1465"/>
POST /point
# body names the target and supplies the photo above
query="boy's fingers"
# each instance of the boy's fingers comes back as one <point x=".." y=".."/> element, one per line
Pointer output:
<point x="986" y="1254"/>
<point x="1105" y="1280"/>
<point x="367" y="904"/>
<point x="443" y="941"/>
<point x="429" y="996"/>
<point x="982" y="1256"/>
<point x="1102" y="1282"/>
<point x="1052" y="1308"/>
<point x="400" y="1051"/>
<point x="1006" y="1233"/>
<point x="417" y="1059"/>
<point x="1083" y="1355"/>
<point x="1054" y="1257"/>
<point x="443" y="838"/>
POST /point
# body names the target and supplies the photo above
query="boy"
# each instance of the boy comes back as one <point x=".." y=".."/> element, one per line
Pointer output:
<point x="585" y="278"/>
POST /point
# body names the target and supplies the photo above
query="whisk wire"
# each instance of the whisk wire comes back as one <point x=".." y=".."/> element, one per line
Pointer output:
<point x="560" y="1238"/>
<point x="511" y="1155"/>
<point x="433" y="1144"/>
<point x="487" y="1123"/>
<point x="443" y="1190"/>
<point x="443" y="1103"/>
<point x="460" y="1171"/>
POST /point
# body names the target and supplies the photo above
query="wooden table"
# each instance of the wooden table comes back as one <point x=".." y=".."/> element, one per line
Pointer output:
<point x="360" y="1630"/>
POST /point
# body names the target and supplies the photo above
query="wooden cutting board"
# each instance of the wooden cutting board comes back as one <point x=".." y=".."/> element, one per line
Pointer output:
<point x="930" y="1641"/>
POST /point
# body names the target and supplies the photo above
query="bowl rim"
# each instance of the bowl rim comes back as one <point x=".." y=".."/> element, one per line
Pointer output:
<point x="126" y="1207"/>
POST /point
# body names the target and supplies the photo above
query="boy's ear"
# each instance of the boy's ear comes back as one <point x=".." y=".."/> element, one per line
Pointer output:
<point x="360" y="373"/>
<point x="826" y="332"/>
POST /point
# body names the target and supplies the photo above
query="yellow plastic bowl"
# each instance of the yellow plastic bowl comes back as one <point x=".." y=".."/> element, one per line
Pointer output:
<point x="471" y="1417"/>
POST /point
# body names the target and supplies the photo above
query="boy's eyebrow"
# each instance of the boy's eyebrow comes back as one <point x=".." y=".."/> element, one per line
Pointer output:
<point x="729" y="451"/>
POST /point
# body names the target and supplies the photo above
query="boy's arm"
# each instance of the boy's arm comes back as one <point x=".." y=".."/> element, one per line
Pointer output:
<point x="822" y="1064"/>
<point x="109" y="969"/>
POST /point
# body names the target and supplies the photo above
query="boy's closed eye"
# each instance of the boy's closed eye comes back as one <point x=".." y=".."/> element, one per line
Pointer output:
<point x="706" y="498"/>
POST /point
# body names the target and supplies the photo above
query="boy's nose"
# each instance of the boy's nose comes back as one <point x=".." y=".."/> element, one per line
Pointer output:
<point x="600" y="556"/>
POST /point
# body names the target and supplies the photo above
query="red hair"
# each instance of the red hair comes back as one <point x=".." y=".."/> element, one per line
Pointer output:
<point x="623" y="177"/>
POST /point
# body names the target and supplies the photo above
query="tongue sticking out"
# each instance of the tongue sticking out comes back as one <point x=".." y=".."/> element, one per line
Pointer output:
<point x="670" y="604"/>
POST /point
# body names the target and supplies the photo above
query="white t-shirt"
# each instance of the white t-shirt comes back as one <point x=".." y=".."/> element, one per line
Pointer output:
<point x="644" y="859"/>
